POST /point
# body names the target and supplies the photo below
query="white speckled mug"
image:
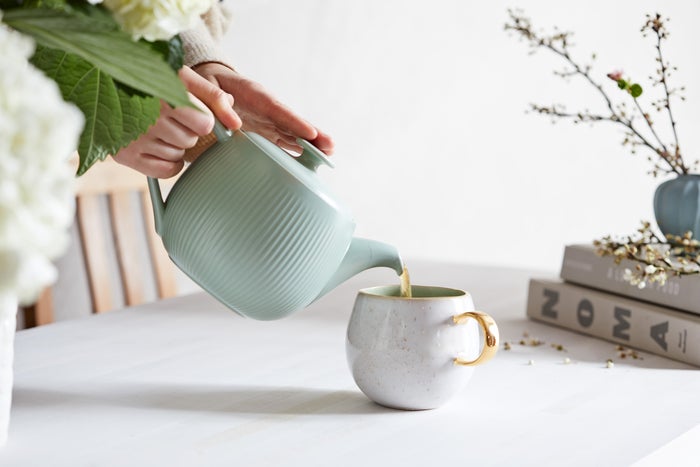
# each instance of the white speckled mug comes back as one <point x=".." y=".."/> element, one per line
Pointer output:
<point x="416" y="353"/>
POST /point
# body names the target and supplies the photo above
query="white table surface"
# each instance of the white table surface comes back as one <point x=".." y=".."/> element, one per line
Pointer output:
<point x="185" y="382"/>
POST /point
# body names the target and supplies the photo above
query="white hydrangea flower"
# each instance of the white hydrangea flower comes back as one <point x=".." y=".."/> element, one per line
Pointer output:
<point x="157" y="19"/>
<point x="38" y="133"/>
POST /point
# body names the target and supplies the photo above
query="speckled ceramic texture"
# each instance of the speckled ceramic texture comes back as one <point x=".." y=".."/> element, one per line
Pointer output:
<point x="401" y="351"/>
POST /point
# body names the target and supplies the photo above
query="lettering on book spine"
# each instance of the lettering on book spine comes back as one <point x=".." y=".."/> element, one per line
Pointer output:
<point x="585" y="313"/>
<point x="658" y="333"/>
<point x="622" y="326"/>
<point x="682" y="339"/>
<point x="552" y="297"/>
<point x="637" y="324"/>
<point x="670" y="287"/>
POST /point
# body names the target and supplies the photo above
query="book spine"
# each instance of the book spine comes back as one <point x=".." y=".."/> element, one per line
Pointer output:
<point x="658" y="330"/>
<point x="583" y="266"/>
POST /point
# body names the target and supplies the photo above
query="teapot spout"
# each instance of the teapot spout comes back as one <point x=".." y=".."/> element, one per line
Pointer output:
<point x="364" y="254"/>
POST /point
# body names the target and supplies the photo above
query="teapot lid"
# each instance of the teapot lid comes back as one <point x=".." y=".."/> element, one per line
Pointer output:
<point x="311" y="157"/>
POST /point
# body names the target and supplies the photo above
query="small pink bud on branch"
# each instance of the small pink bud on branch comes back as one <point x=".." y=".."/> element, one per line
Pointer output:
<point x="615" y="75"/>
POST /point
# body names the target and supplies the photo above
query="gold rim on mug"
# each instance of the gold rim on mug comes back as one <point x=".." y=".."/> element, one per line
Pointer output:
<point x="392" y="292"/>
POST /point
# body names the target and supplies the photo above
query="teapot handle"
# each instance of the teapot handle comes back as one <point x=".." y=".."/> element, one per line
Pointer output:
<point x="222" y="134"/>
<point x="157" y="202"/>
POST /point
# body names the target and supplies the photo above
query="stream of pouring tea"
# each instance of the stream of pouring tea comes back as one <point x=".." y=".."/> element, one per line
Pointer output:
<point x="405" y="283"/>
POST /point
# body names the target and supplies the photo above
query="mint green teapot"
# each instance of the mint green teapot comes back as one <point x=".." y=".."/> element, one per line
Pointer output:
<point x="255" y="227"/>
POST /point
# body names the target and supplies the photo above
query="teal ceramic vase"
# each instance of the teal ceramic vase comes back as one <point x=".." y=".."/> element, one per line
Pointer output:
<point x="677" y="205"/>
<point x="258" y="230"/>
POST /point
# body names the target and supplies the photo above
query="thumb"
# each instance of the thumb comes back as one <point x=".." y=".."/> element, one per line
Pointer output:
<point x="215" y="98"/>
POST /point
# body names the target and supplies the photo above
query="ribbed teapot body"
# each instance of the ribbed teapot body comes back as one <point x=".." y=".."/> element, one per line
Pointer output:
<point x="254" y="230"/>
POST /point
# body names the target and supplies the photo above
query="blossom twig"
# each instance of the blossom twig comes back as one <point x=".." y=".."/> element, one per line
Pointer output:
<point x="656" y="257"/>
<point x="670" y="158"/>
<point x="656" y="24"/>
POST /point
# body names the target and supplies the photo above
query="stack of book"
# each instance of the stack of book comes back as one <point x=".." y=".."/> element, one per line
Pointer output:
<point x="591" y="297"/>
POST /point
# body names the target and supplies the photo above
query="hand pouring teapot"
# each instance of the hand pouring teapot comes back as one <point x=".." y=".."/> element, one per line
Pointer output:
<point x="255" y="228"/>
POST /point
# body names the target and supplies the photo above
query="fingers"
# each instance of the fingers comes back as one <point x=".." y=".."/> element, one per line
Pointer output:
<point x="261" y="112"/>
<point x="261" y="104"/>
<point x="288" y="122"/>
<point x="182" y="126"/>
<point x="159" y="152"/>
<point x="323" y="142"/>
<point x="156" y="167"/>
<point x="151" y="165"/>
<point x="212" y="96"/>
<point x="289" y="142"/>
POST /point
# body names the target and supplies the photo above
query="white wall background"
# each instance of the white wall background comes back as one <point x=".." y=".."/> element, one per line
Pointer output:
<point x="426" y="102"/>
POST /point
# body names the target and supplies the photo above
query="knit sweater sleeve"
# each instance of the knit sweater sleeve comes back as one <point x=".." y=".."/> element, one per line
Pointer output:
<point x="202" y="43"/>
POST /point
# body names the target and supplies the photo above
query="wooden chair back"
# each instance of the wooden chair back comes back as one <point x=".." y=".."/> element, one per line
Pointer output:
<point x="127" y="196"/>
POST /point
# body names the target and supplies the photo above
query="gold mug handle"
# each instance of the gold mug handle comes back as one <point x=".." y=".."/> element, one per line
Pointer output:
<point x="488" y="325"/>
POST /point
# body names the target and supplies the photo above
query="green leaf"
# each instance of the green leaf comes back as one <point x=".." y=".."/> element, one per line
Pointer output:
<point x="8" y="4"/>
<point x="113" y="116"/>
<point x="622" y="84"/>
<point x="176" y="53"/>
<point x="55" y="4"/>
<point x="95" y="94"/>
<point x="113" y="52"/>
<point x="98" y="99"/>
<point x="172" y="51"/>
<point x="636" y="90"/>
<point x="138" y="113"/>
